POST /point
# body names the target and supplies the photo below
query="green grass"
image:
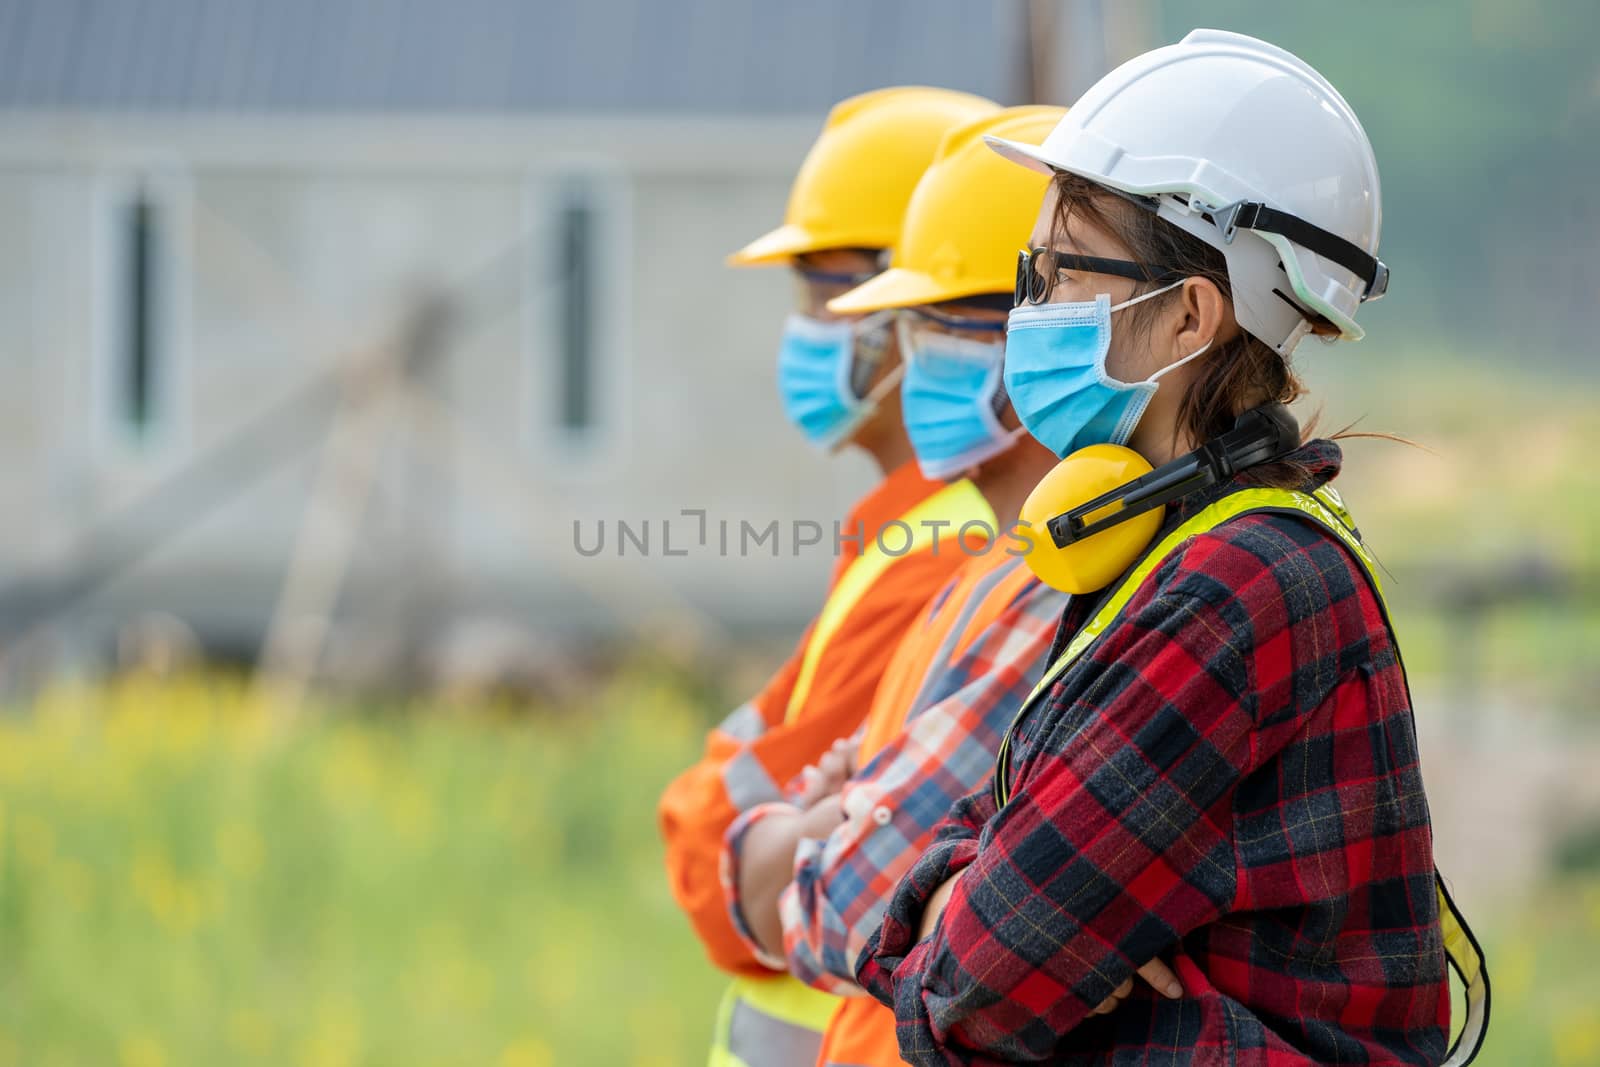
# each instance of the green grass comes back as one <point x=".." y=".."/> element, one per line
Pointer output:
<point x="182" y="884"/>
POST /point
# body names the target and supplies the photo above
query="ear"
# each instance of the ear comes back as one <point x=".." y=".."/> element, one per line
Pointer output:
<point x="1207" y="317"/>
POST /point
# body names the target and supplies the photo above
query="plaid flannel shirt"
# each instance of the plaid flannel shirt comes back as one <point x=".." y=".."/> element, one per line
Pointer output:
<point x="947" y="747"/>
<point x="1227" y="779"/>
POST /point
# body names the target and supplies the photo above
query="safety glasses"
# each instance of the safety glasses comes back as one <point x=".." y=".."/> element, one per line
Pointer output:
<point x="814" y="288"/>
<point x="1039" y="270"/>
<point x="956" y="322"/>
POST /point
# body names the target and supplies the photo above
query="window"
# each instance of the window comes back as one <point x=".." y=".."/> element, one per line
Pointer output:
<point x="141" y="228"/>
<point x="575" y="316"/>
<point x="140" y="291"/>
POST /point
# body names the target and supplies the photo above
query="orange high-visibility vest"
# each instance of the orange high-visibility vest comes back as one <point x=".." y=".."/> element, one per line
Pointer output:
<point x="861" y="1031"/>
<point x="760" y="747"/>
<point x="820" y="695"/>
<point x="777" y="1020"/>
<point x="980" y="593"/>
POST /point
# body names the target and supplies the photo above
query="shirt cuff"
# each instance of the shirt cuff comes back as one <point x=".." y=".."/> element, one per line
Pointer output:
<point x="806" y="961"/>
<point x="732" y="849"/>
<point x="896" y="937"/>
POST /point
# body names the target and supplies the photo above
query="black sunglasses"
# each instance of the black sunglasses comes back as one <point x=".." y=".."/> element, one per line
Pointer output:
<point x="1037" y="270"/>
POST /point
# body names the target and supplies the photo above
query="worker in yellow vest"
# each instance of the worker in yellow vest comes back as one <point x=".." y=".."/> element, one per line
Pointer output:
<point x="838" y="379"/>
<point x="1220" y="768"/>
<point x="809" y="901"/>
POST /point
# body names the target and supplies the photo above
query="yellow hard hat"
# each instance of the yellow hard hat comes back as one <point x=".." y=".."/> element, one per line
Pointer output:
<point x="970" y="213"/>
<point x="852" y="189"/>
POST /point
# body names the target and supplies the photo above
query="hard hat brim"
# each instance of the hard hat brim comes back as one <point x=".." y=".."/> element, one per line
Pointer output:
<point x="779" y="247"/>
<point x="898" y="287"/>
<point x="1032" y="156"/>
<point x="1029" y="155"/>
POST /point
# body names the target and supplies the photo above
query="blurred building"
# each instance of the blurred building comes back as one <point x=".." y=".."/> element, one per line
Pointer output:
<point x="512" y="215"/>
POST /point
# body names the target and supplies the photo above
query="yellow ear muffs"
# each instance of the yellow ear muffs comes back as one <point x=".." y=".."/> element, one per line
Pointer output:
<point x="1087" y="521"/>
<point x="1094" y="562"/>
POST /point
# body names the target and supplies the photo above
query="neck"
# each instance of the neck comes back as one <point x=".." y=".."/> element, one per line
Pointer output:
<point x="1160" y="442"/>
<point x="886" y="442"/>
<point x="1006" y="480"/>
<point x="1159" y="437"/>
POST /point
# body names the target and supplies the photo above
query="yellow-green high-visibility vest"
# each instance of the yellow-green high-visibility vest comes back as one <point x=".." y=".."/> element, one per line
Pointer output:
<point x="778" y="1021"/>
<point x="770" y="1022"/>
<point x="1324" y="508"/>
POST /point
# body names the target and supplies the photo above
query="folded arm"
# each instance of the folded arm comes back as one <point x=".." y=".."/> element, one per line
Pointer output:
<point x="1116" y="842"/>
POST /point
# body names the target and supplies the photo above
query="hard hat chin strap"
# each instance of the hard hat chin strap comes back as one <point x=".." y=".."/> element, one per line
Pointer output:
<point x="1259" y="436"/>
<point x="1251" y="215"/>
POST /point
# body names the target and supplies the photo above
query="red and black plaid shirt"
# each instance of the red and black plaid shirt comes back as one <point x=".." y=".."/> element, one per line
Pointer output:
<point x="1227" y="780"/>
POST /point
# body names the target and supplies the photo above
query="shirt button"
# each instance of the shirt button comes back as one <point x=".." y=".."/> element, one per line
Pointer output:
<point x="881" y="815"/>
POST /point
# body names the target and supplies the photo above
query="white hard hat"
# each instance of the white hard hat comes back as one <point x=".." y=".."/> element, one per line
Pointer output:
<point x="1246" y="147"/>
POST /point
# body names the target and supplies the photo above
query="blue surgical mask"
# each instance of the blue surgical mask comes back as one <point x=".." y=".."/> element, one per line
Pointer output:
<point x="815" y="361"/>
<point x="1056" y="374"/>
<point x="949" y="399"/>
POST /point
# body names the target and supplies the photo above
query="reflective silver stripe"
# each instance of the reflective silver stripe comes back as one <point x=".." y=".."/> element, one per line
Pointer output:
<point x="744" y="723"/>
<point x="1470" y="1040"/>
<point x="758" y="1040"/>
<point x="748" y="782"/>
<point x="1466" y="959"/>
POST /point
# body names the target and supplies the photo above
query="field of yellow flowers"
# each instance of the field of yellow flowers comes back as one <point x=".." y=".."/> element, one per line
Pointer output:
<point x="188" y="879"/>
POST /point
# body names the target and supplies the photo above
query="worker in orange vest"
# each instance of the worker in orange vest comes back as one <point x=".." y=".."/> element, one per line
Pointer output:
<point x="805" y="895"/>
<point x="838" y="377"/>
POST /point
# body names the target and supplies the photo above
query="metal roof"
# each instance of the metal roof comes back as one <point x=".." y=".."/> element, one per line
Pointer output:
<point x="617" y="56"/>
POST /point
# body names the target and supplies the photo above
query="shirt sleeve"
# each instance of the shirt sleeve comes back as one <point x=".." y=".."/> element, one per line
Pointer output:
<point x="732" y="854"/>
<point x="697" y="806"/>
<point x="894" y="804"/>
<point x="954" y="847"/>
<point x="1116" y="843"/>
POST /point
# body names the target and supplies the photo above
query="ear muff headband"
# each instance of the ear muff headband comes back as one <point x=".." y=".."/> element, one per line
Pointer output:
<point x="1259" y="435"/>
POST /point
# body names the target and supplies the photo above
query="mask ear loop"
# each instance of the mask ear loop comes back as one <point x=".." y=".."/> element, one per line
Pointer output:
<point x="869" y="403"/>
<point x="1142" y="297"/>
<point x="1196" y="354"/>
<point x="869" y="406"/>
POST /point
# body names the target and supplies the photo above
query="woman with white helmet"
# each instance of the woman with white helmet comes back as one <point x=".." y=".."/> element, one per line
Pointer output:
<point x="1220" y="767"/>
